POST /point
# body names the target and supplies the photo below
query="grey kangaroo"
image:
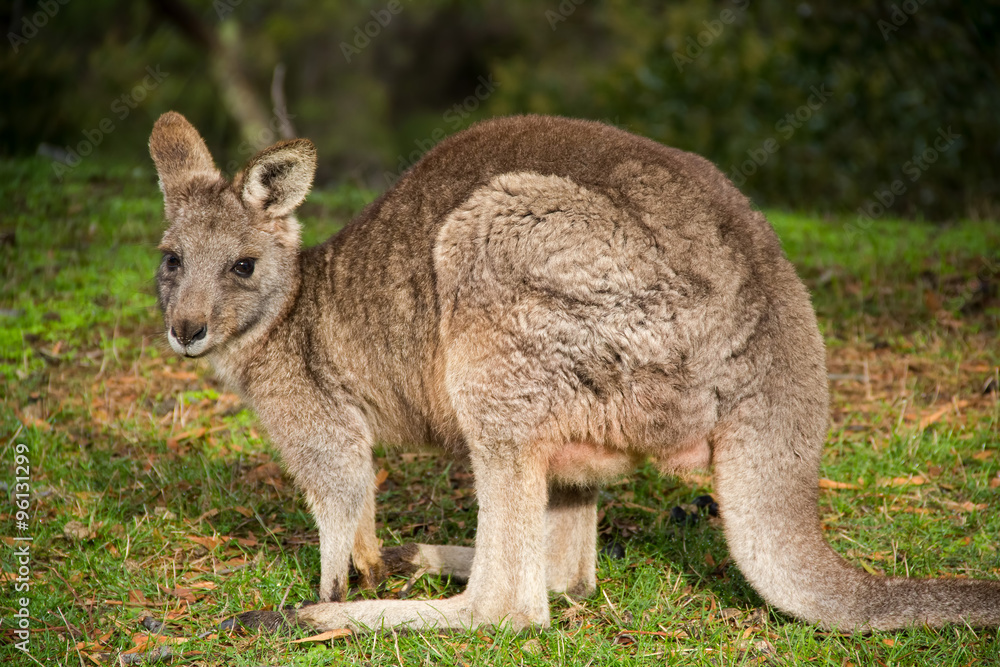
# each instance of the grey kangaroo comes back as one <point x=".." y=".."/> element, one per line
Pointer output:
<point x="553" y="300"/>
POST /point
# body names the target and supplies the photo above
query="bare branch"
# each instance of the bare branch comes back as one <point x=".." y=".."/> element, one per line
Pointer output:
<point x="285" y="127"/>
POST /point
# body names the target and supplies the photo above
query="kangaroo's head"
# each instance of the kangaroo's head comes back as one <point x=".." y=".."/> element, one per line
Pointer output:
<point x="230" y="252"/>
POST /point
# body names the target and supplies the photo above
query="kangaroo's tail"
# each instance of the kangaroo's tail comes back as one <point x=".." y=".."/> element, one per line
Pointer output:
<point x="766" y="457"/>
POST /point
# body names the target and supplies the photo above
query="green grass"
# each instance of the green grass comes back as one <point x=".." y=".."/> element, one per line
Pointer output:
<point x="182" y="514"/>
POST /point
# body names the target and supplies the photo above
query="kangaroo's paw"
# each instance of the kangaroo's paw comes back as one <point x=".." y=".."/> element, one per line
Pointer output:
<point x="401" y="559"/>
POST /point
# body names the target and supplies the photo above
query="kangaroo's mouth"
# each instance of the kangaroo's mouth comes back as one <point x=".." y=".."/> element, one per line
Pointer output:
<point x="191" y="347"/>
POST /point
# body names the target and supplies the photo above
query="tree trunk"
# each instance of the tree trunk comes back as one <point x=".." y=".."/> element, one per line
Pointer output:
<point x="223" y="51"/>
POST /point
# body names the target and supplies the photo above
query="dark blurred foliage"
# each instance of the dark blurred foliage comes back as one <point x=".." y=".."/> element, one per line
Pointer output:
<point x="815" y="106"/>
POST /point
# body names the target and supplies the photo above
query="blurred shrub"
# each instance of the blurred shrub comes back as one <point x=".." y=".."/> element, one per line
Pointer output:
<point x="818" y="106"/>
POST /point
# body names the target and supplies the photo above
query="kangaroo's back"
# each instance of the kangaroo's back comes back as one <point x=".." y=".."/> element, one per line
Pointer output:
<point x="389" y="288"/>
<point x="589" y="153"/>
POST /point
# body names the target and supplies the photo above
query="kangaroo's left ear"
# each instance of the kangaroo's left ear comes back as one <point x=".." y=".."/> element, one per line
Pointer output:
<point x="278" y="178"/>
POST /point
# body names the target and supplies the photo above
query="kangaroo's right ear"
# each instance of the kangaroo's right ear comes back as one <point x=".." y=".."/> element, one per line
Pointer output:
<point x="179" y="152"/>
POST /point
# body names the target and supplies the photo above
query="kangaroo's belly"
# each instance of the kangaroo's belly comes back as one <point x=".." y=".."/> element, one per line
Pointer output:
<point x="588" y="463"/>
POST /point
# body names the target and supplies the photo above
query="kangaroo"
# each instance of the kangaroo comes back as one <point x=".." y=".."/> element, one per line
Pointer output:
<point x="554" y="300"/>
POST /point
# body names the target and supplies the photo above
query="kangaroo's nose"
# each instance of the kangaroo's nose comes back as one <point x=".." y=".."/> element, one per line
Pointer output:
<point x="189" y="332"/>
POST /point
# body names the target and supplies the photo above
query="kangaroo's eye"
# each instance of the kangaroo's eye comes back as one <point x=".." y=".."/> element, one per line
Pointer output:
<point x="171" y="261"/>
<point x="244" y="267"/>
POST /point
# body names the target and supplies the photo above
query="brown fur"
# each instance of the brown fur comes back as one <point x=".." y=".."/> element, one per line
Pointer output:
<point x="555" y="300"/>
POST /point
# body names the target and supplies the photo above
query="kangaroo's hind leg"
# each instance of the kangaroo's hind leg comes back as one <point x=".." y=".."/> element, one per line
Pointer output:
<point x="571" y="540"/>
<point x="441" y="560"/>
<point x="570" y="551"/>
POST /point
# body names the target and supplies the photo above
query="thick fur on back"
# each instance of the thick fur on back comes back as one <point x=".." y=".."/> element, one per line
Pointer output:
<point x="593" y="220"/>
<point x="557" y="301"/>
